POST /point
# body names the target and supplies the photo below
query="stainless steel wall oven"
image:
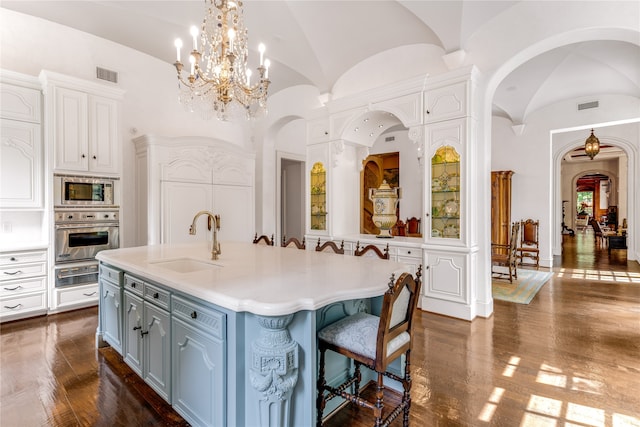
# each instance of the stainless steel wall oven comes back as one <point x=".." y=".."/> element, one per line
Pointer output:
<point x="79" y="236"/>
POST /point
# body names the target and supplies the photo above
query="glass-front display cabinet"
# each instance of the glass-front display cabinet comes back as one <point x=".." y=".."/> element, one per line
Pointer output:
<point x="318" y="197"/>
<point x="445" y="193"/>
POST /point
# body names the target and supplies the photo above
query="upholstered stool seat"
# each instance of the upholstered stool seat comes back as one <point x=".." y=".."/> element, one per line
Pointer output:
<point x="359" y="333"/>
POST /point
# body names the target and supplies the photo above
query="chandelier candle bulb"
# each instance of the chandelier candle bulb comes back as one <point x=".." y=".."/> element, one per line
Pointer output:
<point x="178" y="44"/>
<point x="267" y="64"/>
<point x="261" y="49"/>
<point x="192" y="60"/>
<point x="248" y="73"/>
<point x="232" y="36"/>
<point x="194" y="34"/>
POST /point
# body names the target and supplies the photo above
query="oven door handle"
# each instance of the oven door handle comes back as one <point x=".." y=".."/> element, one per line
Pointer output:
<point x="86" y="226"/>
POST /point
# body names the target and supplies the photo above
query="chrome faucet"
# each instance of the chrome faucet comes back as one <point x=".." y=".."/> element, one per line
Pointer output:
<point x="215" y="250"/>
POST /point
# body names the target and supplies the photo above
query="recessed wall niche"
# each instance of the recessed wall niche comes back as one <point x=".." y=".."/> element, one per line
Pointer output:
<point x="394" y="151"/>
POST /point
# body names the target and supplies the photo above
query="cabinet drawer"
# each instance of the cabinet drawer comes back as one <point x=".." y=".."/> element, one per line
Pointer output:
<point x="133" y="284"/>
<point x="110" y="274"/>
<point x="17" y="287"/>
<point x="206" y="320"/>
<point x="13" y="258"/>
<point x="157" y="296"/>
<point x="77" y="295"/>
<point x="20" y="271"/>
<point x="23" y="304"/>
<point x="410" y="253"/>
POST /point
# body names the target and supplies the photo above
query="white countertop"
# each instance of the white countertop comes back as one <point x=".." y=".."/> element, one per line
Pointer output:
<point x="264" y="280"/>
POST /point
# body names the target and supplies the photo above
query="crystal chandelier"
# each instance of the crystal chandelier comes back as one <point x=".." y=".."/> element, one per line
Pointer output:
<point x="592" y="145"/>
<point x="218" y="80"/>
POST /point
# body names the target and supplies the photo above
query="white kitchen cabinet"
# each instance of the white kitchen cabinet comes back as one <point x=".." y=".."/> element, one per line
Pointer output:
<point x="85" y="120"/>
<point x="21" y="171"/>
<point x="445" y="283"/>
<point x="446" y="102"/>
<point x="178" y="177"/>
<point x="23" y="284"/>
<point x="198" y="346"/>
<point x="21" y="154"/>
<point x="147" y="333"/>
<point x="20" y="103"/>
<point x="445" y="171"/>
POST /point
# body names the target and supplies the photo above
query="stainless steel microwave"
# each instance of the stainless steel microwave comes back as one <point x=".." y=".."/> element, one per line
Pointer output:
<point x="83" y="191"/>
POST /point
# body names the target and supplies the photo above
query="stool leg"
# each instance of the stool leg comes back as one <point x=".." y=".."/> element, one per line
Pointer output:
<point x="358" y="376"/>
<point x="320" y="402"/>
<point x="377" y="411"/>
<point x="407" y="389"/>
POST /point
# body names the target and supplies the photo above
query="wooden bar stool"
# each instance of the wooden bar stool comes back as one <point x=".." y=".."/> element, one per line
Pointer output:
<point x="374" y="342"/>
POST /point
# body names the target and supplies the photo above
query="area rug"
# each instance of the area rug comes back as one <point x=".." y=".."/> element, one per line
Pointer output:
<point x="523" y="289"/>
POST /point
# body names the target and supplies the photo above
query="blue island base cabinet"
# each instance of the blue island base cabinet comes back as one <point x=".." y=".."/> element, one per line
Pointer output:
<point x="234" y="343"/>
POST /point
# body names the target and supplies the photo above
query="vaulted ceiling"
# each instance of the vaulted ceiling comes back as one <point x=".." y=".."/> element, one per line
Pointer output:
<point x="317" y="42"/>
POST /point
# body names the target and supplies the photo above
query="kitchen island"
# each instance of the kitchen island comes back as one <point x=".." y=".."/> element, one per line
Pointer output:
<point x="232" y="341"/>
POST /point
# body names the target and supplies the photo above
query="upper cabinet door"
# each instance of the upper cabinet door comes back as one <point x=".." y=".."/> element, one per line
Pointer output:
<point x="20" y="103"/>
<point x="71" y="130"/>
<point x="20" y="165"/>
<point x="103" y="135"/>
<point x="445" y="103"/>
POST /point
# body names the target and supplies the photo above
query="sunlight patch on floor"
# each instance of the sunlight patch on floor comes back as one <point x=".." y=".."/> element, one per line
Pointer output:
<point x="490" y="407"/>
<point x="600" y="275"/>
<point x="511" y="366"/>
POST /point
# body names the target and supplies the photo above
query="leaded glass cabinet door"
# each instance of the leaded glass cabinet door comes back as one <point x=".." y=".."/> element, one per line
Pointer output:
<point x="445" y="193"/>
<point x="318" y="197"/>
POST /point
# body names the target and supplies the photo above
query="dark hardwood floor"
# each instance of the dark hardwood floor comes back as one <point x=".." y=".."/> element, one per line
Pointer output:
<point x="569" y="358"/>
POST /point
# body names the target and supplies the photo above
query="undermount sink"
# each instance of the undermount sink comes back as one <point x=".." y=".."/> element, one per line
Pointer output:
<point x="185" y="265"/>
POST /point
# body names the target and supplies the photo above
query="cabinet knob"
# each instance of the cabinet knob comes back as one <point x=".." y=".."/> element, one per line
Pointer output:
<point x="194" y="315"/>
<point x="156" y="295"/>
<point x="13" y="258"/>
<point x="83" y="156"/>
<point x="143" y="333"/>
<point x="94" y="157"/>
<point x="135" y="328"/>
<point x="133" y="284"/>
<point x="409" y="252"/>
<point x="428" y="112"/>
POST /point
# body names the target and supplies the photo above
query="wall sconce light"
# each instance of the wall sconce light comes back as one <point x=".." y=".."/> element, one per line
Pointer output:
<point x="592" y="146"/>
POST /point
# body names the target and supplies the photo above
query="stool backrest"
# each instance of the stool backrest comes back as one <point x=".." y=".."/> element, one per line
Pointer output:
<point x="398" y="306"/>
<point x="360" y="251"/>
<point x="293" y="241"/>
<point x="330" y="246"/>
<point x="264" y="239"/>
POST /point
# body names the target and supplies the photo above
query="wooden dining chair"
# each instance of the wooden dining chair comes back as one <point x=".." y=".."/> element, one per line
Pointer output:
<point x="529" y="245"/>
<point x="373" y="342"/>
<point x="506" y="256"/>
<point x="293" y="242"/>
<point x="330" y="246"/>
<point x="264" y="239"/>
<point x="373" y="249"/>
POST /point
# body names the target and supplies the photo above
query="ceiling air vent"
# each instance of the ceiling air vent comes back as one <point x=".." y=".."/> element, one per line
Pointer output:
<point x="108" y="75"/>
<point x="587" y="105"/>
<point x="390" y="138"/>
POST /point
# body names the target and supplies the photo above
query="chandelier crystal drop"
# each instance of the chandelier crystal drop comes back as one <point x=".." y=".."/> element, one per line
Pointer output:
<point x="592" y="145"/>
<point x="217" y="80"/>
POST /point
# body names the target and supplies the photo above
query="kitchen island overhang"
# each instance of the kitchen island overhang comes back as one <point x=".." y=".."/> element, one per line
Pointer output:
<point x="272" y="301"/>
